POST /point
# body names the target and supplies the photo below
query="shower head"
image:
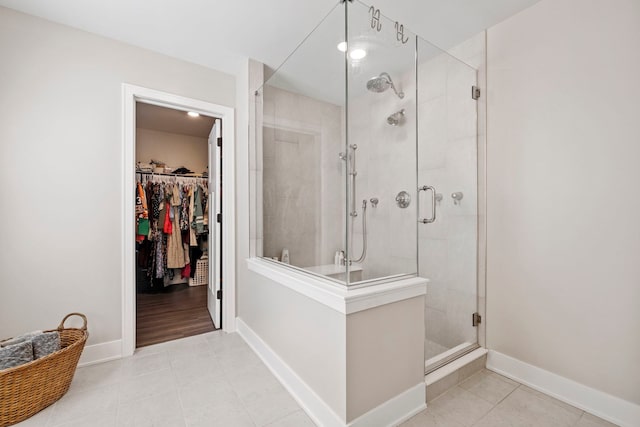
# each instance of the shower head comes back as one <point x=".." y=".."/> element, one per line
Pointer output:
<point x="396" y="118"/>
<point x="381" y="83"/>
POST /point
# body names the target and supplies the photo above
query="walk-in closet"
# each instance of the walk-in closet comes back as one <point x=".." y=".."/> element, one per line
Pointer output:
<point x="175" y="238"/>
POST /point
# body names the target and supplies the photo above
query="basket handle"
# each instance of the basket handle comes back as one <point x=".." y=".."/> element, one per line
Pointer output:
<point x="84" y="320"/>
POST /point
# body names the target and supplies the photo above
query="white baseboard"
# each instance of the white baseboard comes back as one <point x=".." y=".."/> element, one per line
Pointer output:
<point x="313" y="405"/>
<point x="103" y="352"/>
<point x="598" y="403"/>
<point x="407" y="403"/>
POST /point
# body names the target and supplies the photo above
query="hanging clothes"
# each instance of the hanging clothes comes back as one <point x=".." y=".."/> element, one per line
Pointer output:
<point x="205" y="219"/>
<point x="184" y="208"/>
<point x="167" y="225"/>
<point x="175" y="250"/>
<point x="149" y="195"/>
<point x="198" y="215"/>
<point x="193" y="239"/>
<point x="157" y="269"/>
<point x="205" y="207"/>
<point x="168" y="237"/>
<point x="158" y="197"/>
<point x="142" y="214"/>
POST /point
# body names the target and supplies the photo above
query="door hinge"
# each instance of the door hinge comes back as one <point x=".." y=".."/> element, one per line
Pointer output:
<point x="219" y="143"/>
<point x="219" y="218"/>
<point x="475" y="92"/>
<point x="219" y="294"/>
<point x="476" y="319"/>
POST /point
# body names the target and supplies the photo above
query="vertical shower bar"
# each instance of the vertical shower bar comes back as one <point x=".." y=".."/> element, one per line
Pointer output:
<point x="353" y="174"/>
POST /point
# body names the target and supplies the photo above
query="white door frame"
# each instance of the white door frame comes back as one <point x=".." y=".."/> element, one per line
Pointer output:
<point x="215" y="228"/>
<point x="130" y="95"/>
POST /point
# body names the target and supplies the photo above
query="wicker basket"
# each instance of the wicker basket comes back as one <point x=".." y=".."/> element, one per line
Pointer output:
<point x="201" y="277"/>
<point x="29" y="388"/>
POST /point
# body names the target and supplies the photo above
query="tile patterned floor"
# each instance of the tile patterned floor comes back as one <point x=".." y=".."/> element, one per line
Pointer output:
<point x="215" y="379"/>
<point x="487" y="399"/>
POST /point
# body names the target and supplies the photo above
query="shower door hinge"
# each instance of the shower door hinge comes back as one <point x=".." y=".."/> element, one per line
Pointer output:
<point x="476" y="319"/>
<point x="219" y="294"/>
<point x="475" y="92"/>
<point x="219" y="218"/>
<point x="219" y="143"/>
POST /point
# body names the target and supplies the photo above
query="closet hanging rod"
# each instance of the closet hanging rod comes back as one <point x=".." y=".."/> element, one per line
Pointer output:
<point x="177" y="175"/>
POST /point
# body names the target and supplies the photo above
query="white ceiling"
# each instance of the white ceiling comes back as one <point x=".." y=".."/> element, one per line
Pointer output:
<point x="173" y="121"/>
<point x="219" y="33"/>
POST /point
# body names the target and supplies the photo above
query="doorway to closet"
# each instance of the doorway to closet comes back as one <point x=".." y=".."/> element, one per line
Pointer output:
<point x="178" y="235"/>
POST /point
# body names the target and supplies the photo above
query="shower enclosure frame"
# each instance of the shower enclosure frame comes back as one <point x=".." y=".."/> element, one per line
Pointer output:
<point x="351" y="198"/>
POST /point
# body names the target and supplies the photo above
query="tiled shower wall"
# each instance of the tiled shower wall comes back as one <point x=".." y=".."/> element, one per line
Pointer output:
<point x="291" y="178"/>
<point x="385" y="166"/>
<point x="302" y="199"/>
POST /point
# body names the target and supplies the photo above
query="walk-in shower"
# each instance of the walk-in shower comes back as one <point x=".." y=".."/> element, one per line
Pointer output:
<point x="365" y="222"/>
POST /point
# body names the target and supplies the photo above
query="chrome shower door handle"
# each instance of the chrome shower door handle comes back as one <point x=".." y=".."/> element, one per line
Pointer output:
<point x="433" y="204"/>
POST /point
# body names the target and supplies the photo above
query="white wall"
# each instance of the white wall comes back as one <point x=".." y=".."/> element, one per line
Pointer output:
<point x="174" y="149"/>
<point x="563" y="275"/>
<point x="60" y="162"/>
<point x="308" y="336"/>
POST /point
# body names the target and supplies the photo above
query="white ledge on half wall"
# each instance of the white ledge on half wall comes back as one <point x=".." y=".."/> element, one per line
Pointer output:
<point x="338" y="297"/>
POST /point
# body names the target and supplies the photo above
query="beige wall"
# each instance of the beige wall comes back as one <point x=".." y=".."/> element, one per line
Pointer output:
<point x="60" y="162"/>
<point x="563" y="277"/>
<point x="384" y="354"/>
<point x="174" y="149"/>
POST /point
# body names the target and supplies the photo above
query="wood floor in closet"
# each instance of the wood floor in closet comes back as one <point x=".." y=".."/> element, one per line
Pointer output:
<point x="177" y="312"/>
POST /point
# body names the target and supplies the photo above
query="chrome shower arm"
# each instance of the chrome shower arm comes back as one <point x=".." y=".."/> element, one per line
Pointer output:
<point x="399" y="94"/>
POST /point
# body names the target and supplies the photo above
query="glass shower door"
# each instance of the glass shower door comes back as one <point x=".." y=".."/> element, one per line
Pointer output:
<point x="381" y="146"/>
<point x="448" y="207"/>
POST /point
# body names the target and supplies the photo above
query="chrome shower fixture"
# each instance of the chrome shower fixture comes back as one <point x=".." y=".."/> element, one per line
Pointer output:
<point x="381" y="83"/>
<point x="397" y="118"/>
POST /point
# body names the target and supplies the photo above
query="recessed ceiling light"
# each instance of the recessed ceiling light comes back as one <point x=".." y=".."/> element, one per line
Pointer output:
<point x="357" y="53"/>
<point x="342" y="46"/>
<point x="193" y="114"/>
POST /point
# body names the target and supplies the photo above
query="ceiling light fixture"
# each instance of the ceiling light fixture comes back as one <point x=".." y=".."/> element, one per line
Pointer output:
<point x="354" y="54"/>
<point x="193" y="114"/>
<point x="357" y="54"/>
